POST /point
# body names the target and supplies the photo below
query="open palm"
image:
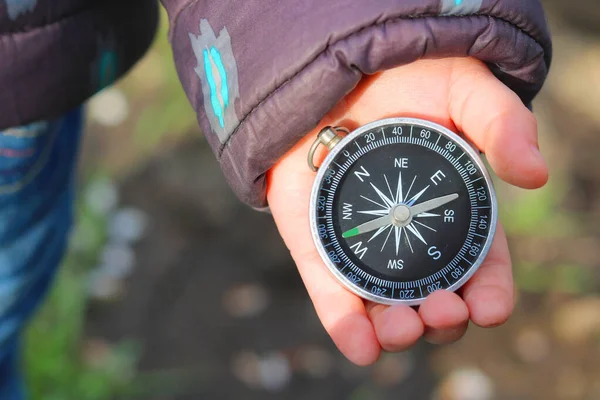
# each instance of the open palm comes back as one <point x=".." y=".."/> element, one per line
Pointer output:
<point x="464" y="96"/>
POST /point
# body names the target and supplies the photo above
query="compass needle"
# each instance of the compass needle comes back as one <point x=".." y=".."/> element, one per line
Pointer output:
<point x="383" y="228"/>
<point x="417" y="196"/>
<point x="396" y="214"/>
<point x="432" y="204"/>
<point x="368" y="227"/>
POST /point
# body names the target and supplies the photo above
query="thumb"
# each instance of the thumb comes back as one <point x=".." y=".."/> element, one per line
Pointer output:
<point x="494" y="118"/>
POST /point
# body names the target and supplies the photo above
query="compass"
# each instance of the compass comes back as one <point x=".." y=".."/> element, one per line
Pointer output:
<point x="401" y="208"/>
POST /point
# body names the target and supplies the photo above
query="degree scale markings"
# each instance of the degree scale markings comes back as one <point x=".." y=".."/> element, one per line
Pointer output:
<point x="421" y="142"/>
<point x="351" y="159"/>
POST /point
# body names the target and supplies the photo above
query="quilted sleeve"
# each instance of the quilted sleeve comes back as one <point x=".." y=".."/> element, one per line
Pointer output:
<point x="55" y="54"/>
<point x="255" y="71"/>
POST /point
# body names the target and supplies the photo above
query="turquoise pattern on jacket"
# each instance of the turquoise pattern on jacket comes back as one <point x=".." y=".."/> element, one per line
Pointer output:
<point x="219" y="92"/>
<point x="216" y="56"/>
<point x="107" y="68"/>
<point x="217" y="69"/>
<point x="16" y="8"/>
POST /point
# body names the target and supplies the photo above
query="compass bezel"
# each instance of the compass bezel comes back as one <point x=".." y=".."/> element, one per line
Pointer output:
<point x="348" y="139"/>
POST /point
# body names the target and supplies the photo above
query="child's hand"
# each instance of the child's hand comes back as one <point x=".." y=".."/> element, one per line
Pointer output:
<point x="464" y="96"/>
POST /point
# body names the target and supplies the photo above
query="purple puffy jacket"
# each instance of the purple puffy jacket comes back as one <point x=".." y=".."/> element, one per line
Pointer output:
<point x="259" y="73"/>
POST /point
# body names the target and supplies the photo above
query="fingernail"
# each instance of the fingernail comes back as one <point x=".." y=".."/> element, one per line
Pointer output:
<point x="446" y="335"/>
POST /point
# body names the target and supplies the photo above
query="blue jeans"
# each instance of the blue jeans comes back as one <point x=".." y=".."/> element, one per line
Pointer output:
<point x="36" y="197"/>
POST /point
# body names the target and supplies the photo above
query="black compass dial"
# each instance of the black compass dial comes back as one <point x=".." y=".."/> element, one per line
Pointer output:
<point x="403" y="210"/>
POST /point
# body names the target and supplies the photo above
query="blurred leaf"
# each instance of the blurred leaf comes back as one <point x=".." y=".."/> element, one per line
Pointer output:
<point x="532" y="278"/>
<point x="166" y="382"/>
<point x="168" y="112"/>
<point x="364" y="392"/>
<point x="573" y="279"/>
<point x="535" y="212"/>
<point x="157" y="120"/>
<point x="565" y="278"/>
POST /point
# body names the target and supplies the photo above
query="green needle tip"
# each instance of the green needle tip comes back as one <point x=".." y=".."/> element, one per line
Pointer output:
<point x="350" y="233"/>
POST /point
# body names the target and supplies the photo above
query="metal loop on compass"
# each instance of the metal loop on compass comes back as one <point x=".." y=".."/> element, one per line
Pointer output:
<point x="329" y="138"/>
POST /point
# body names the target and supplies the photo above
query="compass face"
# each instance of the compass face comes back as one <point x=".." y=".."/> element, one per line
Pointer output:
<point x="402" y="208"/>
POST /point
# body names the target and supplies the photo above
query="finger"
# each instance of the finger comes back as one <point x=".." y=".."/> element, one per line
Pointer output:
<point x="342" y="314"/>
<point x="445" y="316"/>
<point x="489" y="294"/>
<point x="398" y="327"/>
<point x="494" y="118"/>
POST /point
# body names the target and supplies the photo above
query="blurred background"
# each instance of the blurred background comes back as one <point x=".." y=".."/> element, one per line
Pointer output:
<point x="159" y="299"/>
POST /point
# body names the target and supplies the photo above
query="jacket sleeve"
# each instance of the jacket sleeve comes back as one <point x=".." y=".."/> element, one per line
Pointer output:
<point x="261" y="73"/>
<point x="56" y="54"/>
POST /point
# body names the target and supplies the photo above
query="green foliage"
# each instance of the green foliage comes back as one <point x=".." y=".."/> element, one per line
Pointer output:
<point x="170" y="112"/>
<point x="562" y="278"/>
<point x="535" y="212"/>
<point x="538" y="213"/>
